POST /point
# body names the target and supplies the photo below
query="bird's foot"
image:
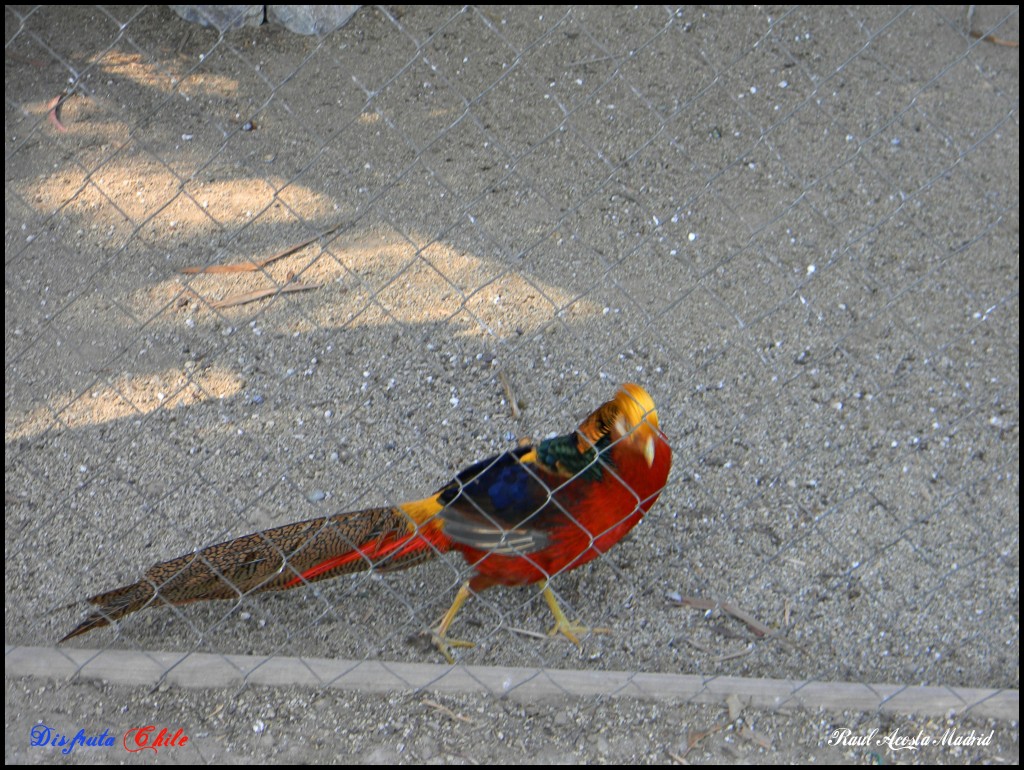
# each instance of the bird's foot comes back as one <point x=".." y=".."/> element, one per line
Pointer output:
<point x="445" y="644"/>
<point x="439" y="636"/>
<point x="572" y="630"/>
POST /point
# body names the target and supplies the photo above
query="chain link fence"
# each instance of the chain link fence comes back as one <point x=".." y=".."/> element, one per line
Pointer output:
<point x="797" y="229"/>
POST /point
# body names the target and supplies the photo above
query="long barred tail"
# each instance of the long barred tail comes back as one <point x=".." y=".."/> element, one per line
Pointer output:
<point x="279" y="559"/>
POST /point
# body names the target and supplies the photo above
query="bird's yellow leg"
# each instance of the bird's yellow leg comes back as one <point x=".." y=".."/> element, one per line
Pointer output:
<point x="440" y="634"/>
<point x="571" y="630"/>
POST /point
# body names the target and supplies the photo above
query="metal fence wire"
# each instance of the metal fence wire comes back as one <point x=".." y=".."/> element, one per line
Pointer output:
<point x="797" y="229"/>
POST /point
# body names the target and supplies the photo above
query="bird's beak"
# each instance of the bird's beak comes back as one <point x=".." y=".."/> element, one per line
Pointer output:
<point x="649" y="451"/>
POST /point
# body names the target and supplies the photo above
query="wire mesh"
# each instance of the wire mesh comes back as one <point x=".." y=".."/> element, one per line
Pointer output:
<point x="797" y="229"/>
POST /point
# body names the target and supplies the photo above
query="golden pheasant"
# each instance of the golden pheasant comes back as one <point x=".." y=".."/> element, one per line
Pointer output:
<point x="520" y="517"/>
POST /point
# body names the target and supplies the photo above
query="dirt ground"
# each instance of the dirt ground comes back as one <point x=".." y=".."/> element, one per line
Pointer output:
<point x="797" y="228"/>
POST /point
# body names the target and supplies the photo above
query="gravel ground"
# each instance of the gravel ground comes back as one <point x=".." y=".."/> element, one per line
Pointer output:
<point x="797" y="228"/>
<point x="291" y="725"/>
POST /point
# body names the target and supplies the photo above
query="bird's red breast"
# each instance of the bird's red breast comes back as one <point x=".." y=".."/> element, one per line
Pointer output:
<point x="528" y="515"/>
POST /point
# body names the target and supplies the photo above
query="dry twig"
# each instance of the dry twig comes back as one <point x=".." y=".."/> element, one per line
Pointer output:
<point x="252" y="296"/>
<point x="759" y="628"/>
<point x="995" y="40"/>
<point x="53" y="110"/>
<point x="512" y="402"/>
<point x="446" y="711"/>
<point x="249" y="267"/>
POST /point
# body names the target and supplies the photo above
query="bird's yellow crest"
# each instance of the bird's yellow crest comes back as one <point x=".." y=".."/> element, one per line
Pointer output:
<point x="629" y="417"/>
